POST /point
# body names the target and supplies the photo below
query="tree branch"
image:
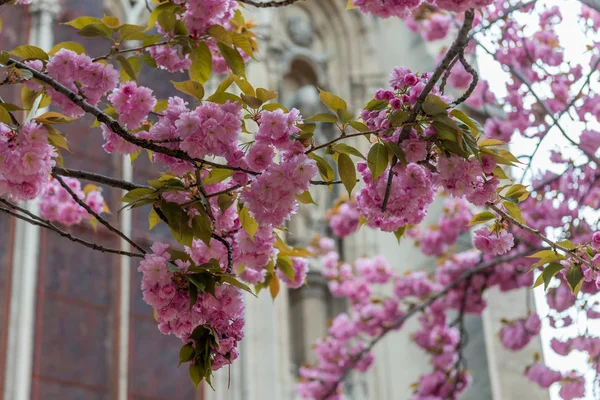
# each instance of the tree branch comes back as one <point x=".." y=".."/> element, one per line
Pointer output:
<point x="90" y="176"/>
<point x="537" y="233"/>
<point x="269" y="4"/>
<point x="421" y="307"/>
<point x="35" y="220"/>
<point x="96" y="215"/>
<point x="457" y="48"/>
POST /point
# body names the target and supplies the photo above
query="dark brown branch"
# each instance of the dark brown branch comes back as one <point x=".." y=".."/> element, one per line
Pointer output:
<point x="35" y="220"/>
<point x="114" y="125"/>
<point x="457" y="48"/>
<point x="90" y="176"/>
<point x="96" y="215"/>
<point x="229" y="252"/>
<point x="474" y="80"/>
<point x="269" y="4"/>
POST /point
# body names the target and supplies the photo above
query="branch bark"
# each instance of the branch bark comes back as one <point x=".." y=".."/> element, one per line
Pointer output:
<point x="454" y="51"/>
<point x="35" y="220"/>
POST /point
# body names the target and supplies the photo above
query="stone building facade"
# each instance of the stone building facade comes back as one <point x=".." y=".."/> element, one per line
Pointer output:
<point x="73" y="324"/>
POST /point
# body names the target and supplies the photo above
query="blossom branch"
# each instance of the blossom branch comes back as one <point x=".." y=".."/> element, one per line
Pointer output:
<point x="269" y="4"/>
<point x="539" y="235"/>
<point x="96" y="215"/>
<point x="35" y="220"/>
<point x="456" y="48"/>
<point x="474" y="80"/>
<point x="90" y="176"/>
<point x="421" y="307"/>
<point x="121" y="51"/>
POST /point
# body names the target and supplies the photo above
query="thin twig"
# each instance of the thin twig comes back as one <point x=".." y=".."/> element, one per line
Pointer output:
<point x="96" y="215"/>
<point x="537" y="233"/>
<point x="474" y="80"/>
<point x="121" y="51"/>
<point x="91" y="176"/>
<point x="269" y="4"/>
<point x="48" y="225"/>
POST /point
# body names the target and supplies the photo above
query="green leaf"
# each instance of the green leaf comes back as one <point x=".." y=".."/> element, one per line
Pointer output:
<point x="274" y="287"/>
<point x="398" y="152"/>
<point x="249" y="224"/>
<point x="217" y="175"/>
<point x="433" y="105"/>
<point x="234" y="282"/>
<point x="167" y="21"/>
<point x="202" y="228"/>
<point x="323" y="117"/>
<point x="193" y="293"/>
<point x="374" y="105"/>
<point x="516" y="190"/>
<point x="377" y="160"/>
<point x="567" y="244"/>
<point x="192" y="88"/>
<point x="82" y="22"/>
<point x="136" y="194"/>
<point x="243" y="43"/>
<point x="73" y="46"/>
<point x="285" y="265"/>
<point x="178" y="222"/>
<point x="473" y="126"/>
<point x="153" y="219"/>
<point x="305" y="198"/>
<point x="251" y="101"/>
<point x="345" y="115"/>
<point x="347" y="172"/>
<point x="186" y="353"/>
<point x="224" y="97"/>
<point x="513" y="211"/>
<point x="398" y="118"/>
<point x="221" y="34"/>
<point x="127" y="67"/>
<point x="400" y="232"/>
<point x="491" y="142"/>
<point x="201" y="67"/>
<point x="225" y="201"/>
<point x="95" y="30"/>
<point x="5" y="116"/>
<point x="29" y="52"/>
<point x="233" y="59"/>
<point x="132" y="32"/>
<point x="332" y="101"/>
<point x="575" y="279"/>
<point x="111" y="22"/>
<point x="265" y="95"/>
<point x="481" y="218"/>
<point x="549" y="272"/>
<point x="346" y="149"/>
<point x="196" y="374"/>
<point x="359" y="126"/>
<point x="325" y="169"/>
<point x="244" y="86"/>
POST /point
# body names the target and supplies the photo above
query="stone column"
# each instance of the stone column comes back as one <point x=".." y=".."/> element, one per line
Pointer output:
<point x="19" y="358"/>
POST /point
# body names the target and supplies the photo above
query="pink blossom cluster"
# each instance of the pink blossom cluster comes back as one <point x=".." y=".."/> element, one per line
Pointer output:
<point x="401" y="8"/>
<point x="165" y="287"/>
<point x="81" y="75"/>
<point x="199" y="15"/>
<point x="219" y="63"/>
<point x="255" y="253"/>
<point x="26" y="160"/>
<point x="271" y="196"/>
<point x="168" y="58"/>
<point x="435" y="239"/>
<point x="493" y="242"/>
<point x="469" y="178"/>
<point x="300" y="267"/>
<point x="517" y="334"/>
<point x="58" y="205"/>
<point x="411" y="193"/>
<point x="344" y="219"/>
<point x="542" y="375"/>
<point x="133" y="103"/>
